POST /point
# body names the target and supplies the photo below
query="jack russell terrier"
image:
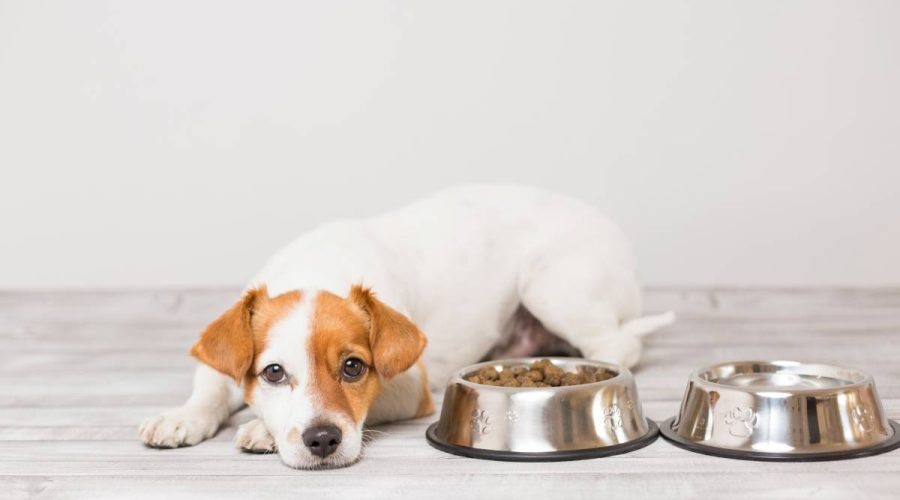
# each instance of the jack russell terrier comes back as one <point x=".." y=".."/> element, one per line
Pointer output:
<point x="329" y="334"/>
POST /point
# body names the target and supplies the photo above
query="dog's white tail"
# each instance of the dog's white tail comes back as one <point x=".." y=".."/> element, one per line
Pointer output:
<point x="647" y="324"/>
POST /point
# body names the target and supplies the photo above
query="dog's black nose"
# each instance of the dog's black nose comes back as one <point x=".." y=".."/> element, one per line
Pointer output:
<point x="322" y="440"/>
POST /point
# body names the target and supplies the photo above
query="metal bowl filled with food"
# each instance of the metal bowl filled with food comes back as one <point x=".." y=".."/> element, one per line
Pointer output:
<point x="783" y="411"/>
<point x="541" y="409"/>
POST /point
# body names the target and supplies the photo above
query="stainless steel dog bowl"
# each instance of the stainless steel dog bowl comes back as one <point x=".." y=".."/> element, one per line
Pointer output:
<point x="782" y="411"/>
<point x="542" y="424"/>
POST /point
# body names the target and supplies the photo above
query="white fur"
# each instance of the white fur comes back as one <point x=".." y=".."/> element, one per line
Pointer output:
<point x="254" y="437"/>
<point x="214" y="398"/>
<point x="399" y="396"/>
<point x="458" y="264"/>
<point x="296" y="406"/>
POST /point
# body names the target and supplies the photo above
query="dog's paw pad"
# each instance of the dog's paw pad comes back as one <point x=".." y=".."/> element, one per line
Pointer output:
<point x="253" y="437"/>
<point x="179" y="427"/>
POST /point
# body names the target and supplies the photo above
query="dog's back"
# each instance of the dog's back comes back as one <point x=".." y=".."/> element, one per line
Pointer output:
<point x="458" y="262"/>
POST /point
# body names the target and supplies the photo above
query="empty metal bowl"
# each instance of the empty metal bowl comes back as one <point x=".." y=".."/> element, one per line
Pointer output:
<point x="782" y="411"/>
<point x="542" y="423"/>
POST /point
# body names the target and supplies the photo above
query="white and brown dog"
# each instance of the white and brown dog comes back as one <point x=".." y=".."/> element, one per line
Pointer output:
<point x="317" y="355"/>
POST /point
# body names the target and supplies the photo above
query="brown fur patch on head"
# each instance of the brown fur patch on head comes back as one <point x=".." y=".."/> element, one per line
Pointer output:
<point x="395" y="341"/>
<point x="231" y="342"/>
<point x="227" y="343"/>
<point x="363" y="327"/>
<point x="263" y="319"/>
<point x="339" y="331"/>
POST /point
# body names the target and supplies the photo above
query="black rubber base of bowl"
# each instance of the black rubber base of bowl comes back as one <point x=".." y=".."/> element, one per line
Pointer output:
<point x="665" y="428"/>
<point x="546" y="456"/>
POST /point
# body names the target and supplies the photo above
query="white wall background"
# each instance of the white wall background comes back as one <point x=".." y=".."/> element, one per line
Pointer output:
<point x="180" y="143"/>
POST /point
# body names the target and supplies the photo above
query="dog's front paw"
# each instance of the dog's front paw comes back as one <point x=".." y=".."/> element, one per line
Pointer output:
<point x="253" y="437"/>
<point x="179" y="427"/>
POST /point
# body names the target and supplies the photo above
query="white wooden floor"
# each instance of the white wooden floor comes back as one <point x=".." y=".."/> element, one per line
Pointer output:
<point x="80" y="370"/>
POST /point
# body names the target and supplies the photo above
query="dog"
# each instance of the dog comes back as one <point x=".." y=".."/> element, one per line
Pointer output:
<point x="329" y="336"/>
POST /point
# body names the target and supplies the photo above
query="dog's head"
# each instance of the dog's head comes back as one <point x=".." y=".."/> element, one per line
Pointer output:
<point x="311" y="364"/>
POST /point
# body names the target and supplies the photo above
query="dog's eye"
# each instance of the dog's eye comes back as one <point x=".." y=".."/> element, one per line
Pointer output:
<point x="353" y="369"/>
<point x="274" y="373"/>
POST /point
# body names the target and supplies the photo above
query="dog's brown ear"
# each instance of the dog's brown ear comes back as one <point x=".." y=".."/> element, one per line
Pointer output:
<point x="227" y="343"/>
<point x="395" y="341"/>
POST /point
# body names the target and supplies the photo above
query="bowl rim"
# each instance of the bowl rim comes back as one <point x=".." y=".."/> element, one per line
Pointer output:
<point x="864" y="379"/>
<point x="622" y="374"/>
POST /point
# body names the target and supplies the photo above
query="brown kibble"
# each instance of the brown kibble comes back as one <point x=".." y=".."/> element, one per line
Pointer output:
<point x="542" y="364"/>
<point x="570" y="379"/>
<point x="541" y="373"/>
<point x="488" y="373"/>
<point x="553" y="374"/>
<point x="553" y="379"/>
<point x="553" y="369"/>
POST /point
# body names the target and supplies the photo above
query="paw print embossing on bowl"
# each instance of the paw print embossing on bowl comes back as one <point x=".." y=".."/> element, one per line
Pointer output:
<point x="862" y="417"/>
<point x="612" y="417"/>
<point x="481" y="421"/>
<point x="741" y="421"/>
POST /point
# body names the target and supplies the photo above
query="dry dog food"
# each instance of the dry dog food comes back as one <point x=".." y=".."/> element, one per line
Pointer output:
<point x="541" y="373"/>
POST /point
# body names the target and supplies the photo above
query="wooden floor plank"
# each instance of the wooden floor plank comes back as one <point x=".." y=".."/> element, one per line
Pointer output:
<point x="80" y="370"/>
